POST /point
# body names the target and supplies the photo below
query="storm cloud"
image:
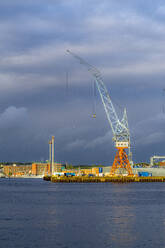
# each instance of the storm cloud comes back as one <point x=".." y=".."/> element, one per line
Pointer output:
<point x="44" y="91"/>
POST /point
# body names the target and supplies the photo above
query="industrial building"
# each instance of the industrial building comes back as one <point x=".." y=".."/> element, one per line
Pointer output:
<point x="17" y="170"/>
<point x="34" y="169"/>
<point x="44" y="168"/>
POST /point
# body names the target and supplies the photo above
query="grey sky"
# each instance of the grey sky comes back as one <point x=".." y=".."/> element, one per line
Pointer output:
<point x="123" y="39"/>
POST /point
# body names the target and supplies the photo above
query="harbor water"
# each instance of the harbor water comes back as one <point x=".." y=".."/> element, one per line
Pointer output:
<point x="37" y="213"/>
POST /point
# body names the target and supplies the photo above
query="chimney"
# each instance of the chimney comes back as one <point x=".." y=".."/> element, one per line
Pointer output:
<point x="52" y="169"/>
<point x="50" y="156"/>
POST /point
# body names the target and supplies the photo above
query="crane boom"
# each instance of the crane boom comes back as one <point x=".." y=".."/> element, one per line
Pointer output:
<point x="119" y="128"/>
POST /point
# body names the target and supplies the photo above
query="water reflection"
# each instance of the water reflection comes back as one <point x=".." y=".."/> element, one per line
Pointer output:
<point x="123" y="224"/>
<point x="122" y="218"/>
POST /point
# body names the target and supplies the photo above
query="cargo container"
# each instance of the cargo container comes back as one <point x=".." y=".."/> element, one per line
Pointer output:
<point x="69" y="174"/>
<point x="144" y="174"/>
<point x="95" y="171"/>
<point x="87" y="171"/>
<point x="91" y="175"/>
<point x="162" y="163"/>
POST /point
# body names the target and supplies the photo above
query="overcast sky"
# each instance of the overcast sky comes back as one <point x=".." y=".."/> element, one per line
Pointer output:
<point x="125" y="40"/>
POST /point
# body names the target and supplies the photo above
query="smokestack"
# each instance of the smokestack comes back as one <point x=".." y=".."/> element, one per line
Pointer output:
<point x="52" y="155"/>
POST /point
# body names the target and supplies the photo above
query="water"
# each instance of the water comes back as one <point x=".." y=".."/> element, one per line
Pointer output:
<point x="36" y="213"/>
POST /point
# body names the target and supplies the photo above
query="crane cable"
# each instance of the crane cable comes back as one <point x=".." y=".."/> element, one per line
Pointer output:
<point x="94" y="100"/>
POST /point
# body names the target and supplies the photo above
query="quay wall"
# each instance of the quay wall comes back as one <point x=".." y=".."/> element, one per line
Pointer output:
<point x="114" y="179"/>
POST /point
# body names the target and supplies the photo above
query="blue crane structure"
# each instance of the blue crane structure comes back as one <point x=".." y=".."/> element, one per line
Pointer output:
<point x="120" y="129"/>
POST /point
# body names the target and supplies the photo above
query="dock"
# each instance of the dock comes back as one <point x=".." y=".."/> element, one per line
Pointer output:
<point x="114" y="179"/>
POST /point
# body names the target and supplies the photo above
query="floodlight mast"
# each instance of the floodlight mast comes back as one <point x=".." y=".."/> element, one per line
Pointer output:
<point x="120" y="129"/>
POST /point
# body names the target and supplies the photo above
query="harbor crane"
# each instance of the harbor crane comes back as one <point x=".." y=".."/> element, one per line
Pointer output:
<point x="153" y="158"/>
<point x="120" y="129"/>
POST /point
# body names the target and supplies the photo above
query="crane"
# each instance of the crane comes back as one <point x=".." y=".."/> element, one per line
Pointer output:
<point x="155" y="157"/>
<point x="120" y="129"/>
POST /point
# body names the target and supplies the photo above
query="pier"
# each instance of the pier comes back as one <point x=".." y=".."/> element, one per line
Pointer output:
<point x="116" y="179"/>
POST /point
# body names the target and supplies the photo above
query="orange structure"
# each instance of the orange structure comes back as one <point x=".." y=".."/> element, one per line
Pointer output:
<point x="40" y="169"/>
<point x="48" y="169"/>
<point x="162" y="163"/>
<point x="95" y="171"/>
<point x="121" y="161"/>
<point x="34" y="169"/>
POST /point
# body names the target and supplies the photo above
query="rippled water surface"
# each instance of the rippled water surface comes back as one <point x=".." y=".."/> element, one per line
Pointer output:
<point x="36" y="213"/>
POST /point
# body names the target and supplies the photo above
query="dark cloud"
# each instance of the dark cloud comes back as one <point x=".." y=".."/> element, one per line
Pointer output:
<point x="124" y="39"/>
<point x="13" y="117"/>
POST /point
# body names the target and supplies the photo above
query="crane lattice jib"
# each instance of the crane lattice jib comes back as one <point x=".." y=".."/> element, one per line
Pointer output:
<point x="119" y="128"/>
